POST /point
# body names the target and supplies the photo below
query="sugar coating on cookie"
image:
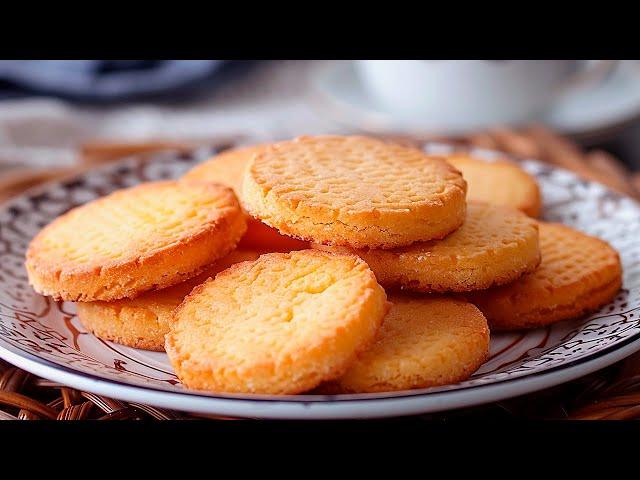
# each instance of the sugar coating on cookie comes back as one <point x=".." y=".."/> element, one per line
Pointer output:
<point x="499" y="182"/>
<point x="142" y="322"/>
<point x="280" y="325"/>
<point x="354" y="191"/>
<point x="578" y="274"/>
<point x="495" y="245"/>
<point x="424" y="341"/>
<point x="228" y="168"/>
<point x="137" y="239"/>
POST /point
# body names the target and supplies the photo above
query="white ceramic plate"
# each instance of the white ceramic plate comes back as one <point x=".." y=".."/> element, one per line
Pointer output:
<point x="583" y="112"/>
<point x="45" y="337"/>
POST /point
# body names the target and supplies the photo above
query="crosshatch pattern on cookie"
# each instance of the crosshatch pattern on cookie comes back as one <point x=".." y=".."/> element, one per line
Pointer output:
<point x="142" y="238"/>
<point x="578" y="274"/>
<point x="354" y="191"/>
<point x="495" y="245"/>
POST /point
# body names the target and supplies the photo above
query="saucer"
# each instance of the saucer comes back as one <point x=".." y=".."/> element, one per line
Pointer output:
<point x="583" y="112"/>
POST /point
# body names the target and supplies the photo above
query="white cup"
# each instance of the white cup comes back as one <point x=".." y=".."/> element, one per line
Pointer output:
<point x="459" y="95"/>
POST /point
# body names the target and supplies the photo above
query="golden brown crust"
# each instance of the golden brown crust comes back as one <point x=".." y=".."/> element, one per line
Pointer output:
<point x="494" y="246"/>
<point x="133" y="327"/>
<point x="353" y="191"/>
<point x="143" y="322"/>
<point x="142" y="238"/>
<point x="281" y="324"/>
<point x="578" y="274"/>
<point x="499" y="182"/>
<point x="425" y="341"/>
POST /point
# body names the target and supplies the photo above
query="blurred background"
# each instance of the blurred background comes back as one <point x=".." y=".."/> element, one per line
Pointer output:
<point x="59" y="117"/>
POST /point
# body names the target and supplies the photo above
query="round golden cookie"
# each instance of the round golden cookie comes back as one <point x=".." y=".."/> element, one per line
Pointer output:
<point x="353" y="191"/>
<point x="499" y="182"/>
<point x="228" y="168"/>
<point x="279" y="325"/>
<point x="424" y="342"/>
<point x="142" y="322"/>
<point x="578" y="274"/>
<point x="495" y="245"/>
<point x="142" y="238"/>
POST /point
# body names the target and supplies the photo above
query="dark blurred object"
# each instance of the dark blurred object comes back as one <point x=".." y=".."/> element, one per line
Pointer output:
<point x="102" y="80"/>
<point x="624" y="144"/>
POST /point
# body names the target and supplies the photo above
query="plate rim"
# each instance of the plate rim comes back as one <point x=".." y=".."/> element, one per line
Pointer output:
<point x="324" y="405"/>
<point x="317" y="398"/>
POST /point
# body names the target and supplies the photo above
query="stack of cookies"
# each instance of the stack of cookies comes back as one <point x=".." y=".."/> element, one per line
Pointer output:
<point x="322" y="264"/>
